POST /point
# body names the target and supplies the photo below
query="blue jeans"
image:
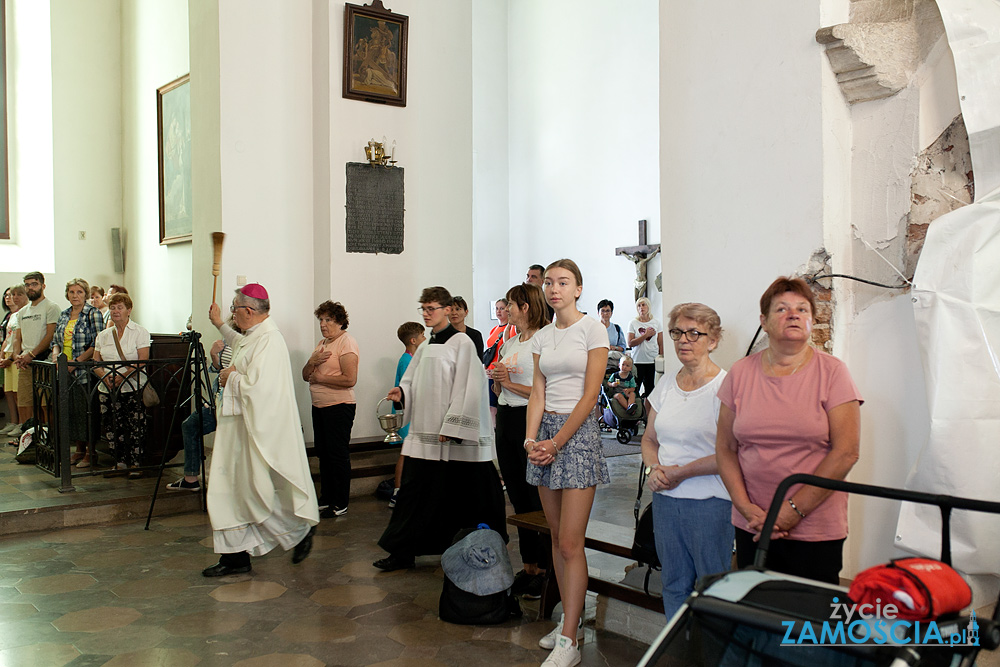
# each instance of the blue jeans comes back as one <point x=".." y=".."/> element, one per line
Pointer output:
<point x="694" y="538"/>
<point x="192" y="441"/>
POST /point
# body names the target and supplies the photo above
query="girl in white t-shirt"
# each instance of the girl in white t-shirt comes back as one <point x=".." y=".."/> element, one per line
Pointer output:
<point x="564" y="443"/>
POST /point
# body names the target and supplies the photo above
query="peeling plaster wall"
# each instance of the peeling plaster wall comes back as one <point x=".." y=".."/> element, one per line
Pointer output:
<point x="942" y="182"/>
<point x="879" y="338"/>
<point x="885" y="143"/>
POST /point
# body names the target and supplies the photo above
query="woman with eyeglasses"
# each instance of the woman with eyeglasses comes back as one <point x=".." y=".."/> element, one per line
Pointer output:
<point x="691" y="508"/>
<point x="499" y="335"/>
<point x="459" y="311"/>
<point x="646" y="340"/>
<point x="789" y="409"/>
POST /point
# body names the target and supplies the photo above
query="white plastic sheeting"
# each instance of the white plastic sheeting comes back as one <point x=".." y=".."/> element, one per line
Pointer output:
<point x="973" y="28"/>
<point x="957" y="311"/>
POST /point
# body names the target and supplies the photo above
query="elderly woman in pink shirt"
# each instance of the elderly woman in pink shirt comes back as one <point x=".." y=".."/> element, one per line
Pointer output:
<point x="332" y="372"/>
<point x="789" y="409"/>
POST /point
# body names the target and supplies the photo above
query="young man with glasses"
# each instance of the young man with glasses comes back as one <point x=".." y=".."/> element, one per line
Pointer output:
<point x="449" y="481"/>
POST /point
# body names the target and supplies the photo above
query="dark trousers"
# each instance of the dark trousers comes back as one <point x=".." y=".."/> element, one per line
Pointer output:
<point x="439" y="498"/>
<point x="332" y="434"/>
<point x="820" y="561"/>
<point x="192" y="428"/>
<point x="513" y="460"/>
<point x="645" y="374"/>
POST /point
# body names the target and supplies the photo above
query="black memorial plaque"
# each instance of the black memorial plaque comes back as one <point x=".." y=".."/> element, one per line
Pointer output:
<point x="374" y="209"/>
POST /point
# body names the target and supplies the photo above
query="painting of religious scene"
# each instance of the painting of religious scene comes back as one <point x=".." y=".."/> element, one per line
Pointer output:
<point x="173" y="110"/>
<point x="375" y="54"/>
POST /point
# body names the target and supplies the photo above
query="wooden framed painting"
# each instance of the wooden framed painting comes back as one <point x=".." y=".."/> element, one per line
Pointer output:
<point x="375" y="54"/>
<point x="173" y="129"/>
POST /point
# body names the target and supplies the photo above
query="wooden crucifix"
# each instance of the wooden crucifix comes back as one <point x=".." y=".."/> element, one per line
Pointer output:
<point x="640" y="255"/>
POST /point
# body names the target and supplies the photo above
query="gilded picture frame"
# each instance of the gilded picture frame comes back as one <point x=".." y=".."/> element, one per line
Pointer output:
<point x="173" y="135"/>
<point x="375" y="42"/>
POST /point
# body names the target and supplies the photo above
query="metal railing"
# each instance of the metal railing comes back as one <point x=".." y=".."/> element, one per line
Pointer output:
<point x="72" y="405"/>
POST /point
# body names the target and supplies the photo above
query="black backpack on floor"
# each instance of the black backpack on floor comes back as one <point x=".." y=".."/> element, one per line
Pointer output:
<point x="464" y="608"/>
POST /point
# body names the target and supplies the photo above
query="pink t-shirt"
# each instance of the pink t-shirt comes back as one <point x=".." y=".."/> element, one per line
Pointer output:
<point x="782" y="428"/>
<point x="323" y="395"/>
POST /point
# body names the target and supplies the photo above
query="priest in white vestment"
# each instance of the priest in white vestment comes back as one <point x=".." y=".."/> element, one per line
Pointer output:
<point x="260" y="490"/>
<point x="449" y="481"/>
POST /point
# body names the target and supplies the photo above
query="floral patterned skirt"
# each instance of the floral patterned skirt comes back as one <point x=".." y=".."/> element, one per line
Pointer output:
<point x="580" y="463"/>
<point x="124" y="422"/>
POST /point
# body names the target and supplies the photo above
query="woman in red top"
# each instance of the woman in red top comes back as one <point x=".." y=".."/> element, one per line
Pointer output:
<point x="789" y="409"/>
<point x="501" y="332"/>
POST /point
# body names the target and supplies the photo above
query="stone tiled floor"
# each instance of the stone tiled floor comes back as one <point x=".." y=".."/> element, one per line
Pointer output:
<point x="24" y="487"/>
<point x="119" y="595"/>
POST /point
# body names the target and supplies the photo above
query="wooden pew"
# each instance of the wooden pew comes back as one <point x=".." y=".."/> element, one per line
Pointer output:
<point x="601" y="536"/>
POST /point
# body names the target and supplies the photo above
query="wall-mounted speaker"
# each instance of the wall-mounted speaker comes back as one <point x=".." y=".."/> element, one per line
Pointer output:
<point x="117" y="249"/>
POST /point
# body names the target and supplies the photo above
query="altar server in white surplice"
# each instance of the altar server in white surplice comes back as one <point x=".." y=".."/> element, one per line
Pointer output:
<point x="449" y="481"/>
<point x="260" y="491"/>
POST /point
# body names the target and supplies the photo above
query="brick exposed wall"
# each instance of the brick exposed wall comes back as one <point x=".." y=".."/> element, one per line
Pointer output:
<point x="941" y="181"/>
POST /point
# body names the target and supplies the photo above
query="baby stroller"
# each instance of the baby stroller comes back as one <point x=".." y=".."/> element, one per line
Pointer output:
<point x="758" y="617"/>
<point x="614" y="416"/>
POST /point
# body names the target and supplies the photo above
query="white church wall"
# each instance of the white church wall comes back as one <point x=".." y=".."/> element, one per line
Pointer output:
<point x="265" y="99"/>
<point x="490" y="164"/>
<point x="86" y="140"/>
<point x="584" y="141"/>
<point x="154" y="52"/>
<point x="64" y="157"/>
<point x="433" y="135"/>
<point x="741" y="171"/>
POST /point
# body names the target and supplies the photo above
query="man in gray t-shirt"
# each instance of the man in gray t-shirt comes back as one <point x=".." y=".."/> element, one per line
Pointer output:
<point x="36" y="325"/>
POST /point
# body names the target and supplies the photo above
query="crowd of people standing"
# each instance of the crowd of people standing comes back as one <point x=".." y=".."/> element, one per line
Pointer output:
<point x="714" y="449"/>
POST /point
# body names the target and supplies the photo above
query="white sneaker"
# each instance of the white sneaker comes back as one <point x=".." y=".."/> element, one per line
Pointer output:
<point x="11" y="429"/>
<point x="565" y="654"/>
<point x="549" y="640"/>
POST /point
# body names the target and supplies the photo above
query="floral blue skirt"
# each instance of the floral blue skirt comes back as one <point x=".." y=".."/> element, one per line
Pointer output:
<point x="580" y="462"/>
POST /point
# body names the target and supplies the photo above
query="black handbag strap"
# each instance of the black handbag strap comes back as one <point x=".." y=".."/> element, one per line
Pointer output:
<point x="638" y="493"/>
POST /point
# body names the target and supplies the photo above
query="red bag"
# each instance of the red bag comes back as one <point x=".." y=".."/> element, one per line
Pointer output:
<point x="920" y="588"/>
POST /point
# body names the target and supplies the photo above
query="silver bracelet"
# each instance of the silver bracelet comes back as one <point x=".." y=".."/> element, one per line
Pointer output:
<point x="797" y="510"/>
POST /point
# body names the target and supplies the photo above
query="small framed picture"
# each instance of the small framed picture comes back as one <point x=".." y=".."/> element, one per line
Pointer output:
<point x="375" y="54"/>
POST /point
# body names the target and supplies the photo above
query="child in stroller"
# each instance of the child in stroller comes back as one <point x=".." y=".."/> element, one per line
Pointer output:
<point x="620" y="406"/>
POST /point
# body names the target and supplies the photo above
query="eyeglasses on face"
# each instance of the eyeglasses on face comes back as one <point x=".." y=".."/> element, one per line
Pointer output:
<point x="233" y="308"/>
<point x="691" y="335"/>
<point x="429" y="310"/>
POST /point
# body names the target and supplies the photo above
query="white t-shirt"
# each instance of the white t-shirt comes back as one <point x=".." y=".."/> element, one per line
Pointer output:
<point x="520" y="363"/>
<point x="32" y="320"/>
<point x="646" y="351"/>
<point x="685" y="428"/>
<point x="133" y="339"/>
<point x="8" y="341"/>
<point x="563" y="360"/>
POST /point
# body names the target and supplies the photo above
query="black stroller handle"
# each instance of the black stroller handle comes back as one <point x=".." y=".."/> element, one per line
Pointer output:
<point x="945" y="503"/>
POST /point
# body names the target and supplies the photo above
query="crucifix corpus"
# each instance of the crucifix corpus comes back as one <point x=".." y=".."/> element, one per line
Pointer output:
<point x="640" y="255"/>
